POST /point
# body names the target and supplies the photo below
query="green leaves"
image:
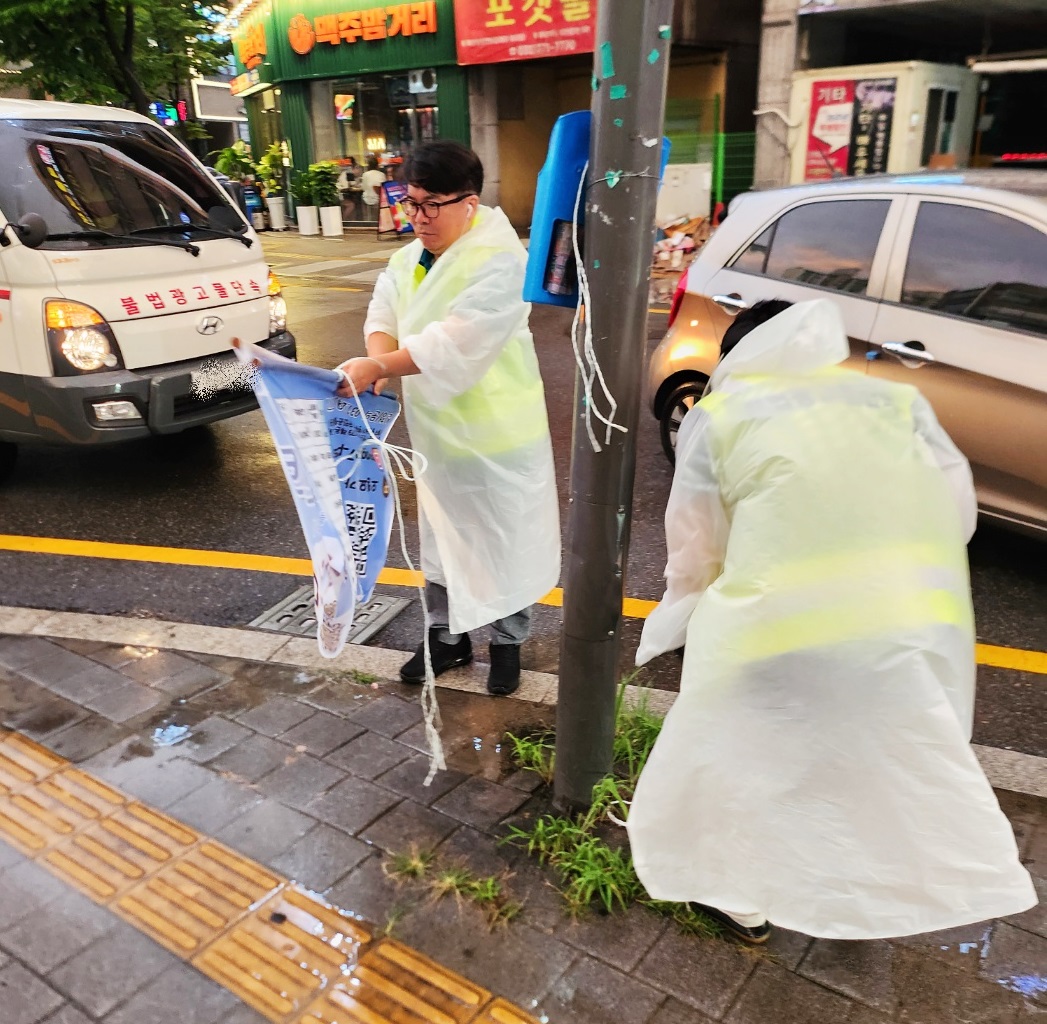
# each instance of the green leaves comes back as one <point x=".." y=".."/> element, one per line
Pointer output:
<point x="125" y="52"/>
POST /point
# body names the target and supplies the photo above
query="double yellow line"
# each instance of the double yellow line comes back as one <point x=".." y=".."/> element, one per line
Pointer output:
<point x="988" y="654"/>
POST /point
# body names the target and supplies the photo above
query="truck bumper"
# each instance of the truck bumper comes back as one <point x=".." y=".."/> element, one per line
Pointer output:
<point x="65" y="410"/>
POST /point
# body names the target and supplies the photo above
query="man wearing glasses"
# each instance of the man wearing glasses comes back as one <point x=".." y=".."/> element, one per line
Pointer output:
<point x="448" y="317"/>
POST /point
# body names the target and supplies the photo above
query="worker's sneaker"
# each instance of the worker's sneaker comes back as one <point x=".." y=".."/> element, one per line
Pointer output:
<point x="444" y="657"/>
<point x="504" y="677"/>
<point x="754" y="934"/>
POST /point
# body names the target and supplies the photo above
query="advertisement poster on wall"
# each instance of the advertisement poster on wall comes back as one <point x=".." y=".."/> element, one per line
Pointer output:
<point x="849" y="131"/>
<point x="829" y="130"/>
<point x="391" y="216"/>
<point x="491" y="31"/>
<point x="871" y="132"/>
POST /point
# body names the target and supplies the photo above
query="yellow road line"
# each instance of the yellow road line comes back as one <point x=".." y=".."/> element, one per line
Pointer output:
<point x="1012" y="658"/>
<point x="632" y="607"/>
<point x="278" y="947"/>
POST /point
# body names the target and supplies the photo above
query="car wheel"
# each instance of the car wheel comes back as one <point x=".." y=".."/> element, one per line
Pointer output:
<point x="681" y="400"/>
<point x="8" y="457"/>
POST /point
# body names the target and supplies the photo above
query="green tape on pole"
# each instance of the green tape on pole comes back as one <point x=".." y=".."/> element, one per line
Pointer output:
<point x="607" y="60"/>
<point x="618" y="122"/>
<point x="619" y="92"/>
<point x="652" y="57"/>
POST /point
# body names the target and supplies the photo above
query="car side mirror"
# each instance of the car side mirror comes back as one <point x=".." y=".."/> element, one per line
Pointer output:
<point x="225" y="218"/>
<point x="31" y="230"/>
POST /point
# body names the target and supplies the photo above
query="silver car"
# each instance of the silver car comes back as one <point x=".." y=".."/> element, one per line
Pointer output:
<point x="942" y="282"/>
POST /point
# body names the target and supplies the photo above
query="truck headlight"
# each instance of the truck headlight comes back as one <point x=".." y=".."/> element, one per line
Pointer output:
<point x="277" y="307"/>
<point x="80" y="339"/>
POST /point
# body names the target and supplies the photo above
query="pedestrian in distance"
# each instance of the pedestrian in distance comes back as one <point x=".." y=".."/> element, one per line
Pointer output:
<point x="448" y="317"/>
<point x="816" y="771"/>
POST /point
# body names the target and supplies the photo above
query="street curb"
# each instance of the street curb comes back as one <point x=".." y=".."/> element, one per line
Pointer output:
<point x="1005" y="769"/>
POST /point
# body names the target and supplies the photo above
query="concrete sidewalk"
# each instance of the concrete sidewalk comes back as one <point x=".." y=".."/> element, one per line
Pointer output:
<point x="316" y="776"/>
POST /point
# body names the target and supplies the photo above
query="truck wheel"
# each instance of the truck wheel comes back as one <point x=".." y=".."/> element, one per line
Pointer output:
<point x="8" y="457"/>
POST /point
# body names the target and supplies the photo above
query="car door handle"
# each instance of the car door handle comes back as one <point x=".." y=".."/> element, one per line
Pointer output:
<point x="912" y="350"/>
<point x="732" y="303"/>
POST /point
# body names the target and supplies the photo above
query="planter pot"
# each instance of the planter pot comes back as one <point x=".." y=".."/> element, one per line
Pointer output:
<point x="308" y="220"/>
<point x="277" y="220"/>
<point x="331" y="219"/>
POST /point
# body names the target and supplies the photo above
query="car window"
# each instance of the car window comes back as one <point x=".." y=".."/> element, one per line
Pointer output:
<point x="978" y="264"/>
<point x="830" y="245"/>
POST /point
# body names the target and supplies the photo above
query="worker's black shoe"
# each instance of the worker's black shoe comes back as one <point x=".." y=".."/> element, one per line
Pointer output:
<point x="754" y="936"/>
<point x="504" y="677"/>
<point x="444" y="657"/>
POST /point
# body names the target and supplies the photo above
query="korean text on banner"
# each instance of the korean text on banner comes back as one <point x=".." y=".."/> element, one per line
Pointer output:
<point x="490" y="31"/>
<point x="338" y="479"/>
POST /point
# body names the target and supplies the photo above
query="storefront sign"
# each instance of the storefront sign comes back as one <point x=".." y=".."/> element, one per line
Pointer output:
<point x="849" y="131"/>
<point x="871" y="135"/>
<point x="829" y="130"/>
<point x="251" y="46"/>
<point x="490" y="31"/>
<point x="369" y="25"/>
<point x="248" y="80"/>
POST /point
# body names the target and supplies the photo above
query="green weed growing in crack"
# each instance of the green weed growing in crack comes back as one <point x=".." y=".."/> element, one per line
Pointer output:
<point x="594" y="869"/>
<point x="410" y="865"/>
<point x="487" y="892"/>
<point x="534" y="754"/>
<point x="355" y="675"/>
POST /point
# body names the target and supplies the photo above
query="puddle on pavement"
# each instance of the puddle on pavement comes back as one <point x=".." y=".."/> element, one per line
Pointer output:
<point x="474" y="728"/>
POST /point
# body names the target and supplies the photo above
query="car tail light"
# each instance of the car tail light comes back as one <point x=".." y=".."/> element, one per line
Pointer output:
<point x="681" y="288"/>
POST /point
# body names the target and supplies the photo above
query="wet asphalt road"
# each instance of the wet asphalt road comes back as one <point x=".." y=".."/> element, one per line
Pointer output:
<point x="221" y="488"/>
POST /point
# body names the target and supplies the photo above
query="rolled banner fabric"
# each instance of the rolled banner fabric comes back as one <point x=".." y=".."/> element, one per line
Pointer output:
<point x="330" y="449"/>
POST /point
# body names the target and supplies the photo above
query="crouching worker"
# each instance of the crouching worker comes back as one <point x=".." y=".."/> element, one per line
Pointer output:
<point x="448" y="317"/>
<point x="816" y="770"/>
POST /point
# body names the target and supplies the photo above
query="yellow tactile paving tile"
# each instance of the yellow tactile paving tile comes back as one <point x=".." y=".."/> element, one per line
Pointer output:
<point x="39" y="817"/>
<point x="120" y="851"/>
<point x="285" y="952"/>
<point x="281" y="949"/>
<point x="23" y="762"/>
<point x="395" y="985"/>
<point x="502" y="1012"/>
<point x="200" y="896"/>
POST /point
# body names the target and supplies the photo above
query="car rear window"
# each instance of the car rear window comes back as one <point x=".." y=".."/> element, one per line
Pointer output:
<point x="823" y="244"/>
<point x="978" y="264"/>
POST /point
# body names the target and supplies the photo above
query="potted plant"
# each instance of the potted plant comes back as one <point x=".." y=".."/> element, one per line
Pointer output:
<point x="305" y="206"/>
<point x="270" y="171"/>
<point x="327" y="197"/>
<point x="234" y="161"/>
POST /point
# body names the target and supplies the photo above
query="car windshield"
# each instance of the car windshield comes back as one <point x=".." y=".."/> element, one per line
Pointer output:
<point x="118" y="177"/>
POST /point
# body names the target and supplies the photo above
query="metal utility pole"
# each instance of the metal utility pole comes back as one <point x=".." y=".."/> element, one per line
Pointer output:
<point x="630" y="69"/>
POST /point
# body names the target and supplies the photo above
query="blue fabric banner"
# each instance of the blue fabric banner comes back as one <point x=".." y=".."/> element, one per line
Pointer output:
<point x="329" y="448"/>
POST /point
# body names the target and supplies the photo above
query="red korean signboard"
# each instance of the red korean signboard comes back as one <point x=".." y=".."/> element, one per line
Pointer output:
<point x="829" y="129"/>
<point x="493" y="31"/>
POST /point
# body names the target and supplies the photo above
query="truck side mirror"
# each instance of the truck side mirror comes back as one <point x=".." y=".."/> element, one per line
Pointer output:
<point x="225" y="218"/>
<point x="31" y="230"/>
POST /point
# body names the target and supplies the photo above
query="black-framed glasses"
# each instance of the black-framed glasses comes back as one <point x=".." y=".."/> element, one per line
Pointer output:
<point x="431" y="208"/>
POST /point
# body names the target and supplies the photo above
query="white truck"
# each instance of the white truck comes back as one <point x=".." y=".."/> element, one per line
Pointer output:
<point x="125" y="271"/>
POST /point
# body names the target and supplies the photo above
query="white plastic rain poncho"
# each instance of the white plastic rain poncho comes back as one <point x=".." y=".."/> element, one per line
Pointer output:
<point x="816" y="766"/>
<point x="488" y="515"/>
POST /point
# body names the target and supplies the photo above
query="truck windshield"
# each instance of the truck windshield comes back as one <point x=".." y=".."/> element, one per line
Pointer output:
<point x="116" y="177"/>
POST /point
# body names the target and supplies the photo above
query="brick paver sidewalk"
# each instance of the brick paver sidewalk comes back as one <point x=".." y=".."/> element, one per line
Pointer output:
<point x="319" y="778"/>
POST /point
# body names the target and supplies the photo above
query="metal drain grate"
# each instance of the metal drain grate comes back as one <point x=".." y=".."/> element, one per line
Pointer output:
<point x="295" y="615"/>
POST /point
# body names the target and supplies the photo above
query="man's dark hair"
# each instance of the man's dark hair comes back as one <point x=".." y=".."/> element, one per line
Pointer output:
<point x="372" y="163"/>
<point x="749" y="319"/>
<point x="444" y="168"/>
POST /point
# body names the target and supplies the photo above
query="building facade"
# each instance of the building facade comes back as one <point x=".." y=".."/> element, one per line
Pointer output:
<point x="346" y="80"/>
<point x="933" y="83"/>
